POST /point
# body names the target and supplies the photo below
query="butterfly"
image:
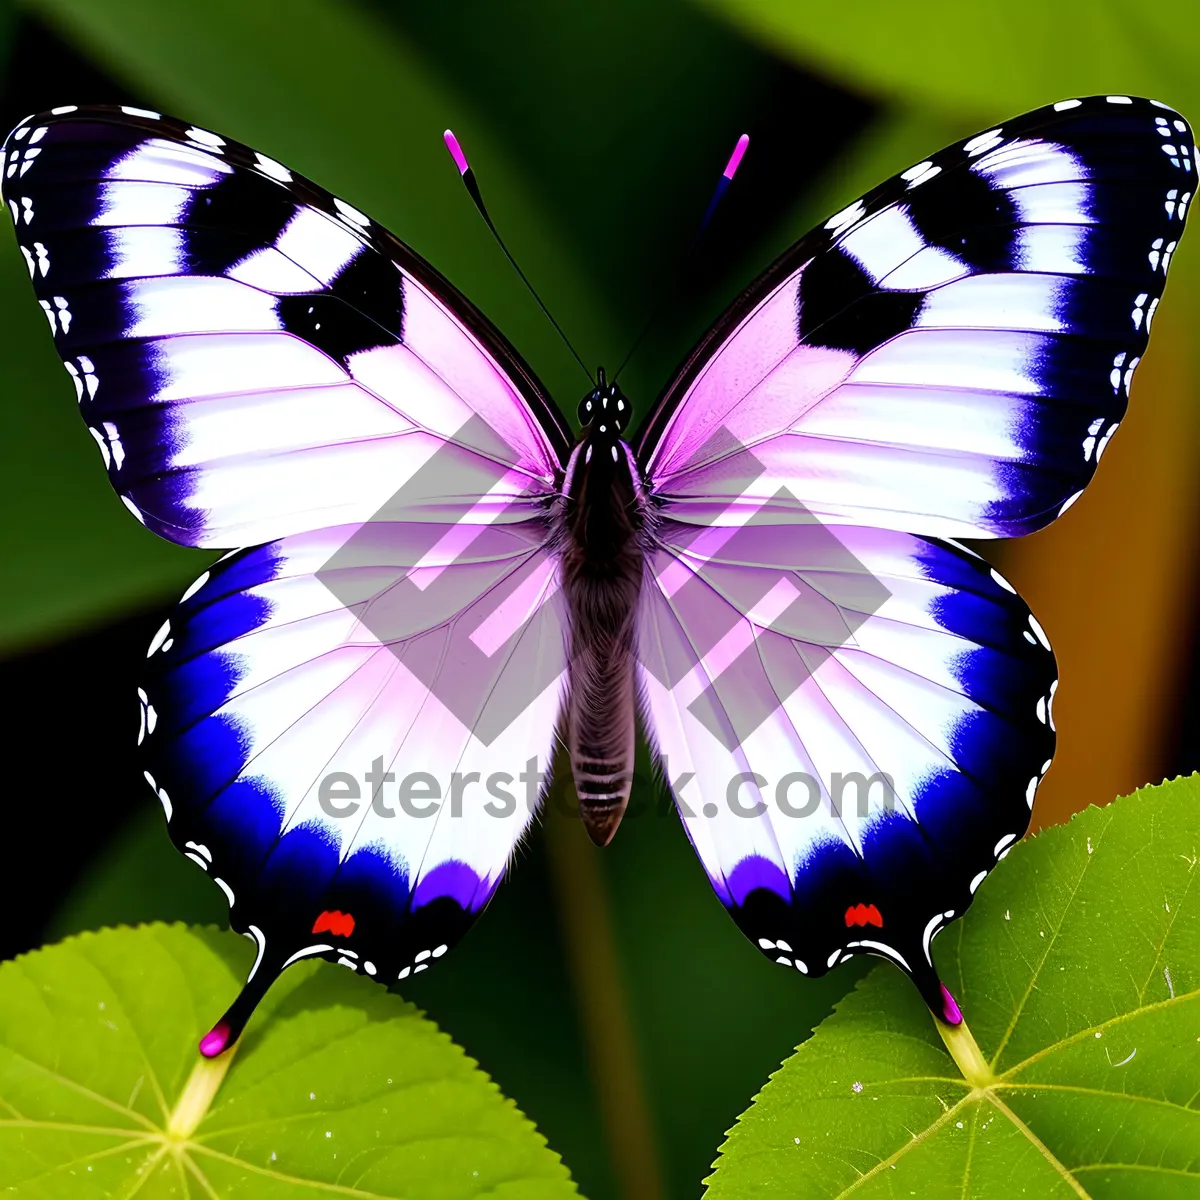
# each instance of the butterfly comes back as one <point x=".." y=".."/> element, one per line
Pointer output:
<point x="431" y="582"/>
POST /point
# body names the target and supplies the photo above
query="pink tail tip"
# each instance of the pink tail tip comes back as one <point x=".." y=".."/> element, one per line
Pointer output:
<point x="456" y="152"/>
<point x="951" y="1013"/>
<point x="215" y="1041"/>
<point x="735" y="159"/>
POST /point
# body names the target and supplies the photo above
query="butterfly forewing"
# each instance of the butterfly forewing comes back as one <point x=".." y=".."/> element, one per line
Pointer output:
<point x="854" y="715"/>
<point x="253" y="356"/>
<point x="951" y="353"/>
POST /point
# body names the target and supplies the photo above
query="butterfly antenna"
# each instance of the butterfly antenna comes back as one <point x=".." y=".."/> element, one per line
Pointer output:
<point x="678" y="275"/>
<point x="472" y="186"/>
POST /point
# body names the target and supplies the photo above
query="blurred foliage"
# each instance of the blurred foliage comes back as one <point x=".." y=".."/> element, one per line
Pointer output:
<point x="334" y="1088"/>
<point x="596" y="130"/>
<point x="1079" y="964"/>
<point x="983" y="61"/>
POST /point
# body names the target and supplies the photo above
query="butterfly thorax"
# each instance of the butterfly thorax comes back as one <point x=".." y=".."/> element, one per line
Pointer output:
<point x="602" y="571"/>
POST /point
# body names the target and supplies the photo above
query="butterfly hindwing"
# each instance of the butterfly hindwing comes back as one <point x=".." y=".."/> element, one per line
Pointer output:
<point x="349" y="730"/>
<point x="253" y="356"/>
<point x="951" y="353"/>
<point x="849" y="717"/>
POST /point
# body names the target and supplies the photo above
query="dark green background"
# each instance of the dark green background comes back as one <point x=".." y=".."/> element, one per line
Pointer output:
<point x="597" y="129"/>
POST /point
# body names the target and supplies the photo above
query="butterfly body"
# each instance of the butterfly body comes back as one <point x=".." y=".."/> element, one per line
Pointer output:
<point x="604" y="522"/>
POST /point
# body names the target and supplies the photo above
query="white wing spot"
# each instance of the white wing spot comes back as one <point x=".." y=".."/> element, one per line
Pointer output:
<point x="268" y="166"/>
<point x="1139" y="307"/>
<point x="846" y="218"/>
<point x="351" y="213"/>
<point x="1036" y="626"/>
<point x="1004" y="845"/>
<point x="205" y="138"/>
<point x="159" y="638"/>
<point x="983" y="142"/>
<point x="998" y="578"/>
<point x="917" y="175"/>
<point x="195" y="587"/>
<point x="1069" y="501"/>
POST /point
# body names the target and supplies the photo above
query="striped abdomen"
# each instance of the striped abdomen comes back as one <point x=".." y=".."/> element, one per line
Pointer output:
<point x="602" y="571"/>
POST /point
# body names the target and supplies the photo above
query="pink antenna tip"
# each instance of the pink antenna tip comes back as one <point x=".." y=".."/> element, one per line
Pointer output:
<point x="456" y="152"/>
<point x="735" y="159"/>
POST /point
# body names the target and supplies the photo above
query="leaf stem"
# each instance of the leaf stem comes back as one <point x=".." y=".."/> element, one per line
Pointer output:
<point x="964" y="1049"/>
<point x="197" y="1095"/>
<point x="585" y="909"/>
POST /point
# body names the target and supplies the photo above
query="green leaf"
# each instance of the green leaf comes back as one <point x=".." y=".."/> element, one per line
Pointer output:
<point x="1078" y="969"/>
<point x="994" y="59"/>
<point x="339" y="1089"/>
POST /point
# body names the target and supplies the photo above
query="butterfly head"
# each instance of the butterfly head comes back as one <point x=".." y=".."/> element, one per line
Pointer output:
<point x="604" y="412"/>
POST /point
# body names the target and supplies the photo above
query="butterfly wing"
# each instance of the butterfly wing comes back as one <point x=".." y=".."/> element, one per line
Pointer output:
<point x="349" y="730"/>
<point x="947" y="356"/>
<point x="262" y="365"/>
<point x="253" y="356"/>
<point x="951" y="353"/>
<point x="854" y="723"/>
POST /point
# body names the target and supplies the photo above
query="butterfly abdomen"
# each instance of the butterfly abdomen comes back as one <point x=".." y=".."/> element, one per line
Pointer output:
<point x="602" y="571"/>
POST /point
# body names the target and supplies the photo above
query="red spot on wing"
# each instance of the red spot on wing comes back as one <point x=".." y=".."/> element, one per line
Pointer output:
<point x="864" y="914"/>
<point x="340" y="924"/>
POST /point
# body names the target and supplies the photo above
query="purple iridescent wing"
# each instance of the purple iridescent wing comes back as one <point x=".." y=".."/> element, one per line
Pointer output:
<point x="349" y="728"/>
<point x="263" y="366"/>
<point x="253" y="356"/>
<point x="947" y="356"/>
<point x="951" y="353"/>
<point x="854" y="723"/>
